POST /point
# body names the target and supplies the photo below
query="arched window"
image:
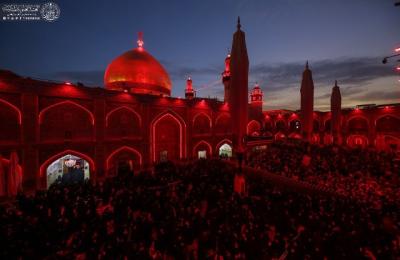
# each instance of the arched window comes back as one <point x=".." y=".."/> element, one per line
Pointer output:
<point x="168" y="137"/>
<point x="223" y="124"/>
<point x="123" y="122"/>
<point x="201" y="124"/>
<point x="66" y="120"/>
<point x="387" y="124"/>
<point x="253" y="128"/>
<point x="358" y="125"/>
<point x="123" y="159"/>
<point x="10" y="120"/>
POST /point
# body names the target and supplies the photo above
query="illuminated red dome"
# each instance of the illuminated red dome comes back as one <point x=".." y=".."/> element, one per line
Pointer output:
<point x="137" y="72"/>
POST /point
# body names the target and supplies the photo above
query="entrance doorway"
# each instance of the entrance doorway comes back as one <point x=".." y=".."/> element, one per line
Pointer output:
<point x="202" y="154"/>
<point x="225" y="151"/>
<point x="68" y="169"/>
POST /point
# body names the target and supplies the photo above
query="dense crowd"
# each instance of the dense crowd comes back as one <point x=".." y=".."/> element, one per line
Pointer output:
<point x="364" y="174"/>
<point x="191" y="212"/>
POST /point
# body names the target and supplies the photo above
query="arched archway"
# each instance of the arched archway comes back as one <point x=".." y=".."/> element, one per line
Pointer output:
<point x="387" y="124"/>
<point x="357" y="125"/>
<point x="202" y="150"/>
<point x="222" y="143"/>
<point x="122" y="159"/>
<point x="387" y="130"/>
<point x="280" y="126"/>
<point x="279" y="136"/>
<point x="254" y="128"/>
<point x="66" y="102"/>
<point x="201" y="124"/>
<point x="167" y="135"/>
<point x="223" y="124"/>
<point x="10" y="118"/>
<point x="66" y="120"/>
<point x="68" y="165"/>
<point x="357" y="141"/>
<point x="225" y="150"/>
<point x="123" y="122"/>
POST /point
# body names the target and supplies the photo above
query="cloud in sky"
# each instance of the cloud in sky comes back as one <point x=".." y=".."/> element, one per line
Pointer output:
<point x="281" y="82"/>
<point x="362" y="79"/>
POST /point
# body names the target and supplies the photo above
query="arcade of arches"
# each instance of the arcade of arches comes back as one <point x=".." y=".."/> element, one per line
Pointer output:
<point x="110" y="131"/>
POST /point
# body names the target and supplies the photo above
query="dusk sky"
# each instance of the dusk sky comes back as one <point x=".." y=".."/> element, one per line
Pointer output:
<point x="342" y="39"/>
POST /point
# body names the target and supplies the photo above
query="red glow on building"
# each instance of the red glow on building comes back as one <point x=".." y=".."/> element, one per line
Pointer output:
<point x="134" y="119"/>
<point x="65" y="152"/>
<point x="64" y="103"/>
<point x="16" y="109"/>
<point x="189" y="91"/>
<point x="139" y="72"/>
<point x="201" y="104"/>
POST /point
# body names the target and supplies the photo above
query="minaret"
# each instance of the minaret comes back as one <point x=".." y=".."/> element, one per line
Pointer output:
<point x="226" y="77"/>
<point x="307" y="103"/>
<point x="189" y="91"/>
<point x="256" y="98"/>
<point x="336" y="110"/>
<point x="238" y="93"/>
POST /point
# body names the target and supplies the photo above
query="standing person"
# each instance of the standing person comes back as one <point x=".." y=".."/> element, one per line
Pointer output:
<point x="11" y="178"/>
<point x="15" y="171"/>
<point x="239" y="184"/>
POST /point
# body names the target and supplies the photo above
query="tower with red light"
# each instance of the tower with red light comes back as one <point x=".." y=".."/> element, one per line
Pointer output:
<point x="189" y="91"/>
<point x="238" y="92"/>
<point x="336" y="108"/>
<point x="307" y="103"/>
<point x="256" y="98"/>
<point x="226" y="78"/>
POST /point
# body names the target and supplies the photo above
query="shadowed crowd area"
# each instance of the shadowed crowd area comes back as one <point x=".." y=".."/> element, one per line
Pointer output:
<point x="190" y="211"/>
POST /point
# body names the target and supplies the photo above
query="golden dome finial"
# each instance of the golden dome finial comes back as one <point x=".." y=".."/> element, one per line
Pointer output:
<point x="140" y="42"/>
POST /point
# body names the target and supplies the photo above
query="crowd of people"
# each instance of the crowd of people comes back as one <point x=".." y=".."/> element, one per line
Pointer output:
<point x="364" y="174"/>
<point x="190" y="211"/>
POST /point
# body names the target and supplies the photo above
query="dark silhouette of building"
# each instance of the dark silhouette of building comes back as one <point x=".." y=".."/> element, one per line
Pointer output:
<point x="307" y="103"/>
